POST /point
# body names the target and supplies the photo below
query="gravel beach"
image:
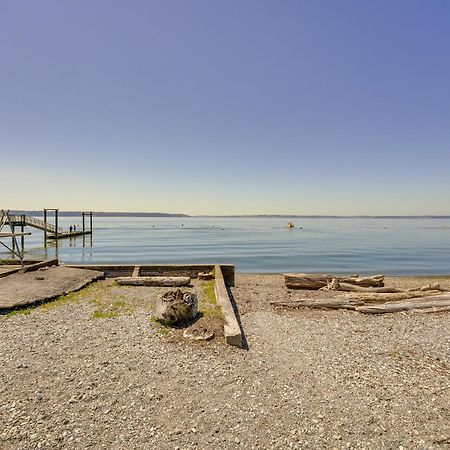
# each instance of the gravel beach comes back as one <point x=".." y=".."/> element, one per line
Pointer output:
<point x="75" y="375"/>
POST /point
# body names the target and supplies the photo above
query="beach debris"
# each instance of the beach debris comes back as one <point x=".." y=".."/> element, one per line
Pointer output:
<point x="318" y="281"/>
<point x="154" y="281"/>
<point x="177" y="307"/>
<point x="437" y="301"/>
<point x="375" y="300"/>
<point x="205" y="276"/>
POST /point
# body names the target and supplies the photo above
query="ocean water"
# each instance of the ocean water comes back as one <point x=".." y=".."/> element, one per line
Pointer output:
<point x="346" y="245"/>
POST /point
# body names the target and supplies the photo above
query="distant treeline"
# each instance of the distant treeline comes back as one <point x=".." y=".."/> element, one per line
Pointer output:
<point x="102" y="214"/>
<point x="255" y="216"/>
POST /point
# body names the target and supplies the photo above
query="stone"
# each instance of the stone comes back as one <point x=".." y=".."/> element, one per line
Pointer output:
<point x="198" y="334"/>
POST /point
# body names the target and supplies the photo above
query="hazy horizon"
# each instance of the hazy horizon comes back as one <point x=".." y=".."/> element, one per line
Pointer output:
<point x="181" y="214"/>
<point x="226" y="108"/>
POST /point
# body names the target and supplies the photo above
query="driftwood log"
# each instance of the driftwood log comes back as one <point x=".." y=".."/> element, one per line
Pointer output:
<point x="428" y="287"/>
<point x="326" y="303"/>
<point x="154" y="281"/>
<point x="433" y="309"/>
<point x="376" y="303"/>
<point x="335" y="285"/>
<point x="383" y="297"/>
<point x="318" y="281"/>
<point x="436" y="301"/>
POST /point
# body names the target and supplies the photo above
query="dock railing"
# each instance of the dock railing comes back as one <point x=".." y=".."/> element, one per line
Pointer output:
<point x="36" y="223"/>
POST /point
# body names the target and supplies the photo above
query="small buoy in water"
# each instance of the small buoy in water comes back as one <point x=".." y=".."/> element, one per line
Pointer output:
<point x="182" y="224"/>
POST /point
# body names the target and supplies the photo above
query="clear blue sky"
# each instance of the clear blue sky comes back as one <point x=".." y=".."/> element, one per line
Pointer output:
<point x="226" y="107"/>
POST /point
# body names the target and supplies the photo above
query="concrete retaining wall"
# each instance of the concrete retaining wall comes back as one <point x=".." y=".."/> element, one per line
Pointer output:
<point x="148" y="270"/>
<point x="231" y="329"/>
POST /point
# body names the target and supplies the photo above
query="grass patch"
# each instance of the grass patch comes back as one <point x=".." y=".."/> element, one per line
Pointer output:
<point x="111" y="302"/>
<point x="208" y="303"/>
<point x="161" y="327"/>
<point x="19" y="312"/>
<point x="98" y="314"/>
<point x="164" y="331"/>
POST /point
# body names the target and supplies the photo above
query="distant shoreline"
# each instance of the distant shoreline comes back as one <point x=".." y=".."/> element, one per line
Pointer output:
<point x="232" y="216"/>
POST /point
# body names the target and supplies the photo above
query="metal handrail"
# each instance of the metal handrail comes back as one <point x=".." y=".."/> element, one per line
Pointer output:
<point x="37" y="223"/>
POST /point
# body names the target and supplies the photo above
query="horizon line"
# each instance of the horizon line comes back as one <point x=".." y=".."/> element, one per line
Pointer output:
<point x="297" y="216"/>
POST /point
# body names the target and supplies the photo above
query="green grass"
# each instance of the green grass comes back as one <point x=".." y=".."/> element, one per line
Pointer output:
<point x="208" y="303"/>
<point x="112" y="302"/>
<point x="106" y="307"/>
<point x="99" y="314"/>
<point x="19" y="312"/>
<point x="161" y="327"/>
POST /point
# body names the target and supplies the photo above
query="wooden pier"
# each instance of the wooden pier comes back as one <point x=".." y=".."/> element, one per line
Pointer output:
<point x="51" y="231"/>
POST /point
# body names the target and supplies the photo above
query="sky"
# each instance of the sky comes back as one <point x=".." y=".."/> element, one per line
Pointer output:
<point x="226" y="107"/>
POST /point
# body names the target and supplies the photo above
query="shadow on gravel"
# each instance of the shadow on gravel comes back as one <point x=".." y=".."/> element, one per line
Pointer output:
<point x="238" y="317"/>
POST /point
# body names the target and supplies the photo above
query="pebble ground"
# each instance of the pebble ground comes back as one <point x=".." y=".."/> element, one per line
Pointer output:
<point x="309" y="379"/>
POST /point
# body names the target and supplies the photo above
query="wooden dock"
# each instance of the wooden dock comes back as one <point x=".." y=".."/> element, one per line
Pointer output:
<point x="50" y="231"/>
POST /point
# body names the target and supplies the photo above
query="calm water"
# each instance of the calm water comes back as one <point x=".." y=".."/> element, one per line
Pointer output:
<point x="391" y="246"/>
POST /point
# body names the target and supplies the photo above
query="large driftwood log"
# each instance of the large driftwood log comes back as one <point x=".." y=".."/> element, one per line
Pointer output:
<point x="318" y="281"/>
<point x="325" y="303"/>
<point x="414" y="303"/>
<point x="335" y="285"/>
<point x="433" y="309"/>
<point x="428" y="287"/>
<point x="154" y="281"/>
<point x="376" y="303"/>
<point x="380" y="297"/>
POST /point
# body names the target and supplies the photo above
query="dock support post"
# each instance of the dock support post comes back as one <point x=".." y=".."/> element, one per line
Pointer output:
<point x="82" y="215"/>
<point x="22" y="238"/>
<point x="45" y="225"/>
<point x="13" y="241"/>
<point x="90" y="222"/>
<point x="56" y="224"/>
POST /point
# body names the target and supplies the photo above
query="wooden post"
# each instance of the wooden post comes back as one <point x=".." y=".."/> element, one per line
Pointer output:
<point x="45" y="225"/>
<point x="90" y="221"/>
<point x="56" y="224"/>
<point x="13" y="240"/>
<point x="22" y="238"/>
<point x="82" y="215"/>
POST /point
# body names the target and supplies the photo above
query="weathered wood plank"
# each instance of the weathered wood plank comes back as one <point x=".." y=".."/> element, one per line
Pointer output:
<point x="154" y="281"/>
<point x="414" y="303"/>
